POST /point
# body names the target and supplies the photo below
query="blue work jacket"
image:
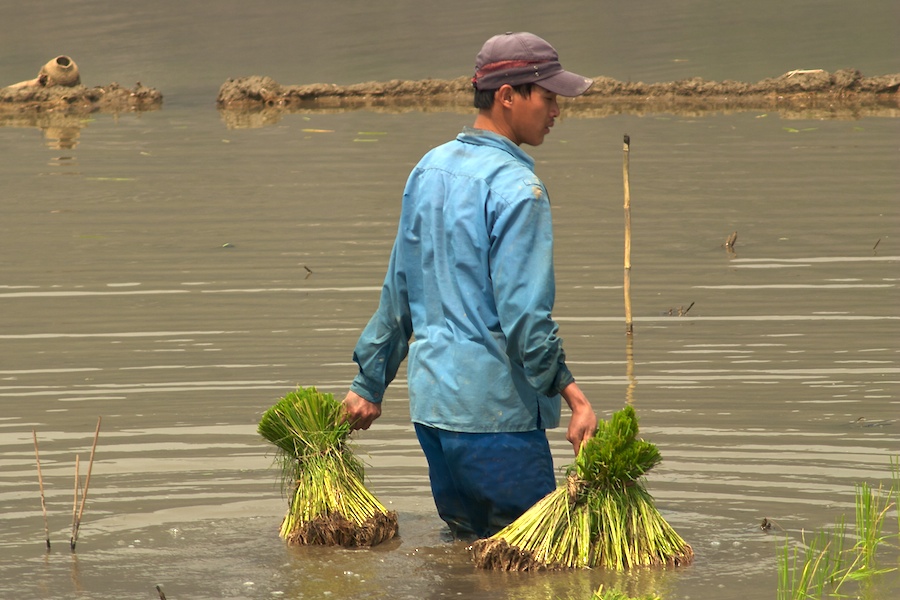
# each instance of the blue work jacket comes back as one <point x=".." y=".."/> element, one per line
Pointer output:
<point x="471" y="283"/>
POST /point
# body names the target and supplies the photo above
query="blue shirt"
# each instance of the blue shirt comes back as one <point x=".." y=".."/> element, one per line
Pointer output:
<point x="471" y="283"/>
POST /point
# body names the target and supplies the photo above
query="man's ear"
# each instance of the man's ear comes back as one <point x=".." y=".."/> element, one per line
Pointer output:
<point x="505" y="95"/>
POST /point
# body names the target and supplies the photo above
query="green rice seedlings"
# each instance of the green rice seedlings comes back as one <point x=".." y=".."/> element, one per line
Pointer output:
<point x="602" y="594"/>
<point x="823" y="565"/>
<point x="871" y="508"/>
<point x="895" y="489"/>
<point x="602" y="516"/>
<point x="801" y="575"/>
<point x="329" y="504"/>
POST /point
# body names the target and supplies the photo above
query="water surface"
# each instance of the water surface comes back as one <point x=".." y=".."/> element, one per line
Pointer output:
<point x="176" y="276"/>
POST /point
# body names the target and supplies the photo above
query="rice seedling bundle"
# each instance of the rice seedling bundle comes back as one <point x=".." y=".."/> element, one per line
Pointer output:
<point x="602" y="516"/>
<point x="329" y="504"/>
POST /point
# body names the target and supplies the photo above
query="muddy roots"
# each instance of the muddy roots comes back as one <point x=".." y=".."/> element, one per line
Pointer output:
<point x="683" y="559"/>
<point x="497" y="554"/>
<point x="336" y="530"/>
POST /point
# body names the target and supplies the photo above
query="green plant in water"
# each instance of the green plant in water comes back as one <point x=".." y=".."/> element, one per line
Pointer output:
<point x="895" y="487"/>
<point x="602" y="594"/>
<point x="807" y="572"/>
<point x="871" y="508"/>
<point x="329" y="504"/>
<point x="601" y="517"/>
<point x="824" y="565"/>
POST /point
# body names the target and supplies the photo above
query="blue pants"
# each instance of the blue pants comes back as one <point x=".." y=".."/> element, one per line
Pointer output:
<point x="482" y="482"/>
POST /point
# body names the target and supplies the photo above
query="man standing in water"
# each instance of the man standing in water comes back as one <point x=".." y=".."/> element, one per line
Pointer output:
<point x="471" y="281"/>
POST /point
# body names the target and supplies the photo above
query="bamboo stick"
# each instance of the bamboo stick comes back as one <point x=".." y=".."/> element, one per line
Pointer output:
<point x="37" y="456"/>
<point x="629" y="326"/>
<point x="87" y="482"/>
<point x="629" y="370"/>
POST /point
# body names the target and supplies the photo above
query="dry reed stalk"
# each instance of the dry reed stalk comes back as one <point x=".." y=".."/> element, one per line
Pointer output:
<point x="37" y="456"/>
<point x="87" y="482"/>
<point x="75" y="501"/>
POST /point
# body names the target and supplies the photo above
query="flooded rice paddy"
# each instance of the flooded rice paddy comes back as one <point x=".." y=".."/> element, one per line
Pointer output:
<point x="176" y="274"/>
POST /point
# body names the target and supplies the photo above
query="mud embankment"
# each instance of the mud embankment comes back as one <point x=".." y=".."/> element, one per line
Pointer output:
<point x="797" y="94"/>
<point x="56" y="102"/>
<point x="27" y="101"/>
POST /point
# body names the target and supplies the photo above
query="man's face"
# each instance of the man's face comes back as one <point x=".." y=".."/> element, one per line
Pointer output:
<point x="533" y="116"/>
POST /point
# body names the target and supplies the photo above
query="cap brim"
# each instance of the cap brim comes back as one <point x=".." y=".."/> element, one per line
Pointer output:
<point x="567" y="84"/>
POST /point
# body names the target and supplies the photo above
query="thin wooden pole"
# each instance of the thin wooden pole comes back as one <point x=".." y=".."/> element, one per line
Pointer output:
<point x="37" y="456"/>
<point x="629" y="369"/>
<point x="87" y="482"/>
<point x="629" y="326"/>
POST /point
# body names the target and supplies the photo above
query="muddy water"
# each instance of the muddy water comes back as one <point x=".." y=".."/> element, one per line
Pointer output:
<point x="174" y="276"/>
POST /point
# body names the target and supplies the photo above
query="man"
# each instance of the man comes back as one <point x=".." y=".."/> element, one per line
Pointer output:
<point x="471" y="281"/>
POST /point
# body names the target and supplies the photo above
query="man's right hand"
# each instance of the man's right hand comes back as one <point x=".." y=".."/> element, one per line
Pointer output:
<point x="359" y="412"/>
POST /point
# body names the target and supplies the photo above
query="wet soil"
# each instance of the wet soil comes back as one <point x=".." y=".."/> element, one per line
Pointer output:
<point x="808" y="93"/>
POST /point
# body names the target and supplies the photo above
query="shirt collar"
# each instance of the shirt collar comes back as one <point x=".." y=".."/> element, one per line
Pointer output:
<point x="483" y="137"/>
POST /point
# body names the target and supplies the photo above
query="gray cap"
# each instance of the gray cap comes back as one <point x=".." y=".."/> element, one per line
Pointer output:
<point x="517" y="58"/>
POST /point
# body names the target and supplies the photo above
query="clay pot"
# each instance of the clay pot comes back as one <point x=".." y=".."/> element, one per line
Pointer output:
<point x="61" y="70"/>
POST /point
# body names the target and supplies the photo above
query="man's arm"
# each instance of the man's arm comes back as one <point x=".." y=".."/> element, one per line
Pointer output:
<point x="583" y="423"/>
<point x="382" y="346"/>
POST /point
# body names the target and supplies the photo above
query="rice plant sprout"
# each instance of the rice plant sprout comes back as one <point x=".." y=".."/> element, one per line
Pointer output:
<point x="613" y="594"/>
<point x="823" y="565"/>
<point x="602" y="516"/>
<point x="329" y="503"/>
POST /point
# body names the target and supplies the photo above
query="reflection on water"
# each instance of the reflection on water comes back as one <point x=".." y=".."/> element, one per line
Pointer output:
<point x="60" y="131"/>
<point x="590" y="108"/>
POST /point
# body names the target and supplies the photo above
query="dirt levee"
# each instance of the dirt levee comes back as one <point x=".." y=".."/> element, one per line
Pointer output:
<point x="802" y="93"/>
<point x="78" y="99"/>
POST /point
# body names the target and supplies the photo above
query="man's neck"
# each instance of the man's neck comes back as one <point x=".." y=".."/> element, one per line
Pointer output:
<point x="487" y="121"/>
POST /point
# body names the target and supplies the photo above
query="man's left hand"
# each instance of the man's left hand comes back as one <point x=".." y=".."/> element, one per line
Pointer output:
<point x="583" y="423"/>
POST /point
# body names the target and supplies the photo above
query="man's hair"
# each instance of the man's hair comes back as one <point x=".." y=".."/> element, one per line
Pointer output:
<point x="485" y="98"/>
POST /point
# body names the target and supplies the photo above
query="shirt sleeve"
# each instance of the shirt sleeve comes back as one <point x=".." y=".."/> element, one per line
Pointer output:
<point x="384" y="342"/>
<point x="525" y="289"/>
